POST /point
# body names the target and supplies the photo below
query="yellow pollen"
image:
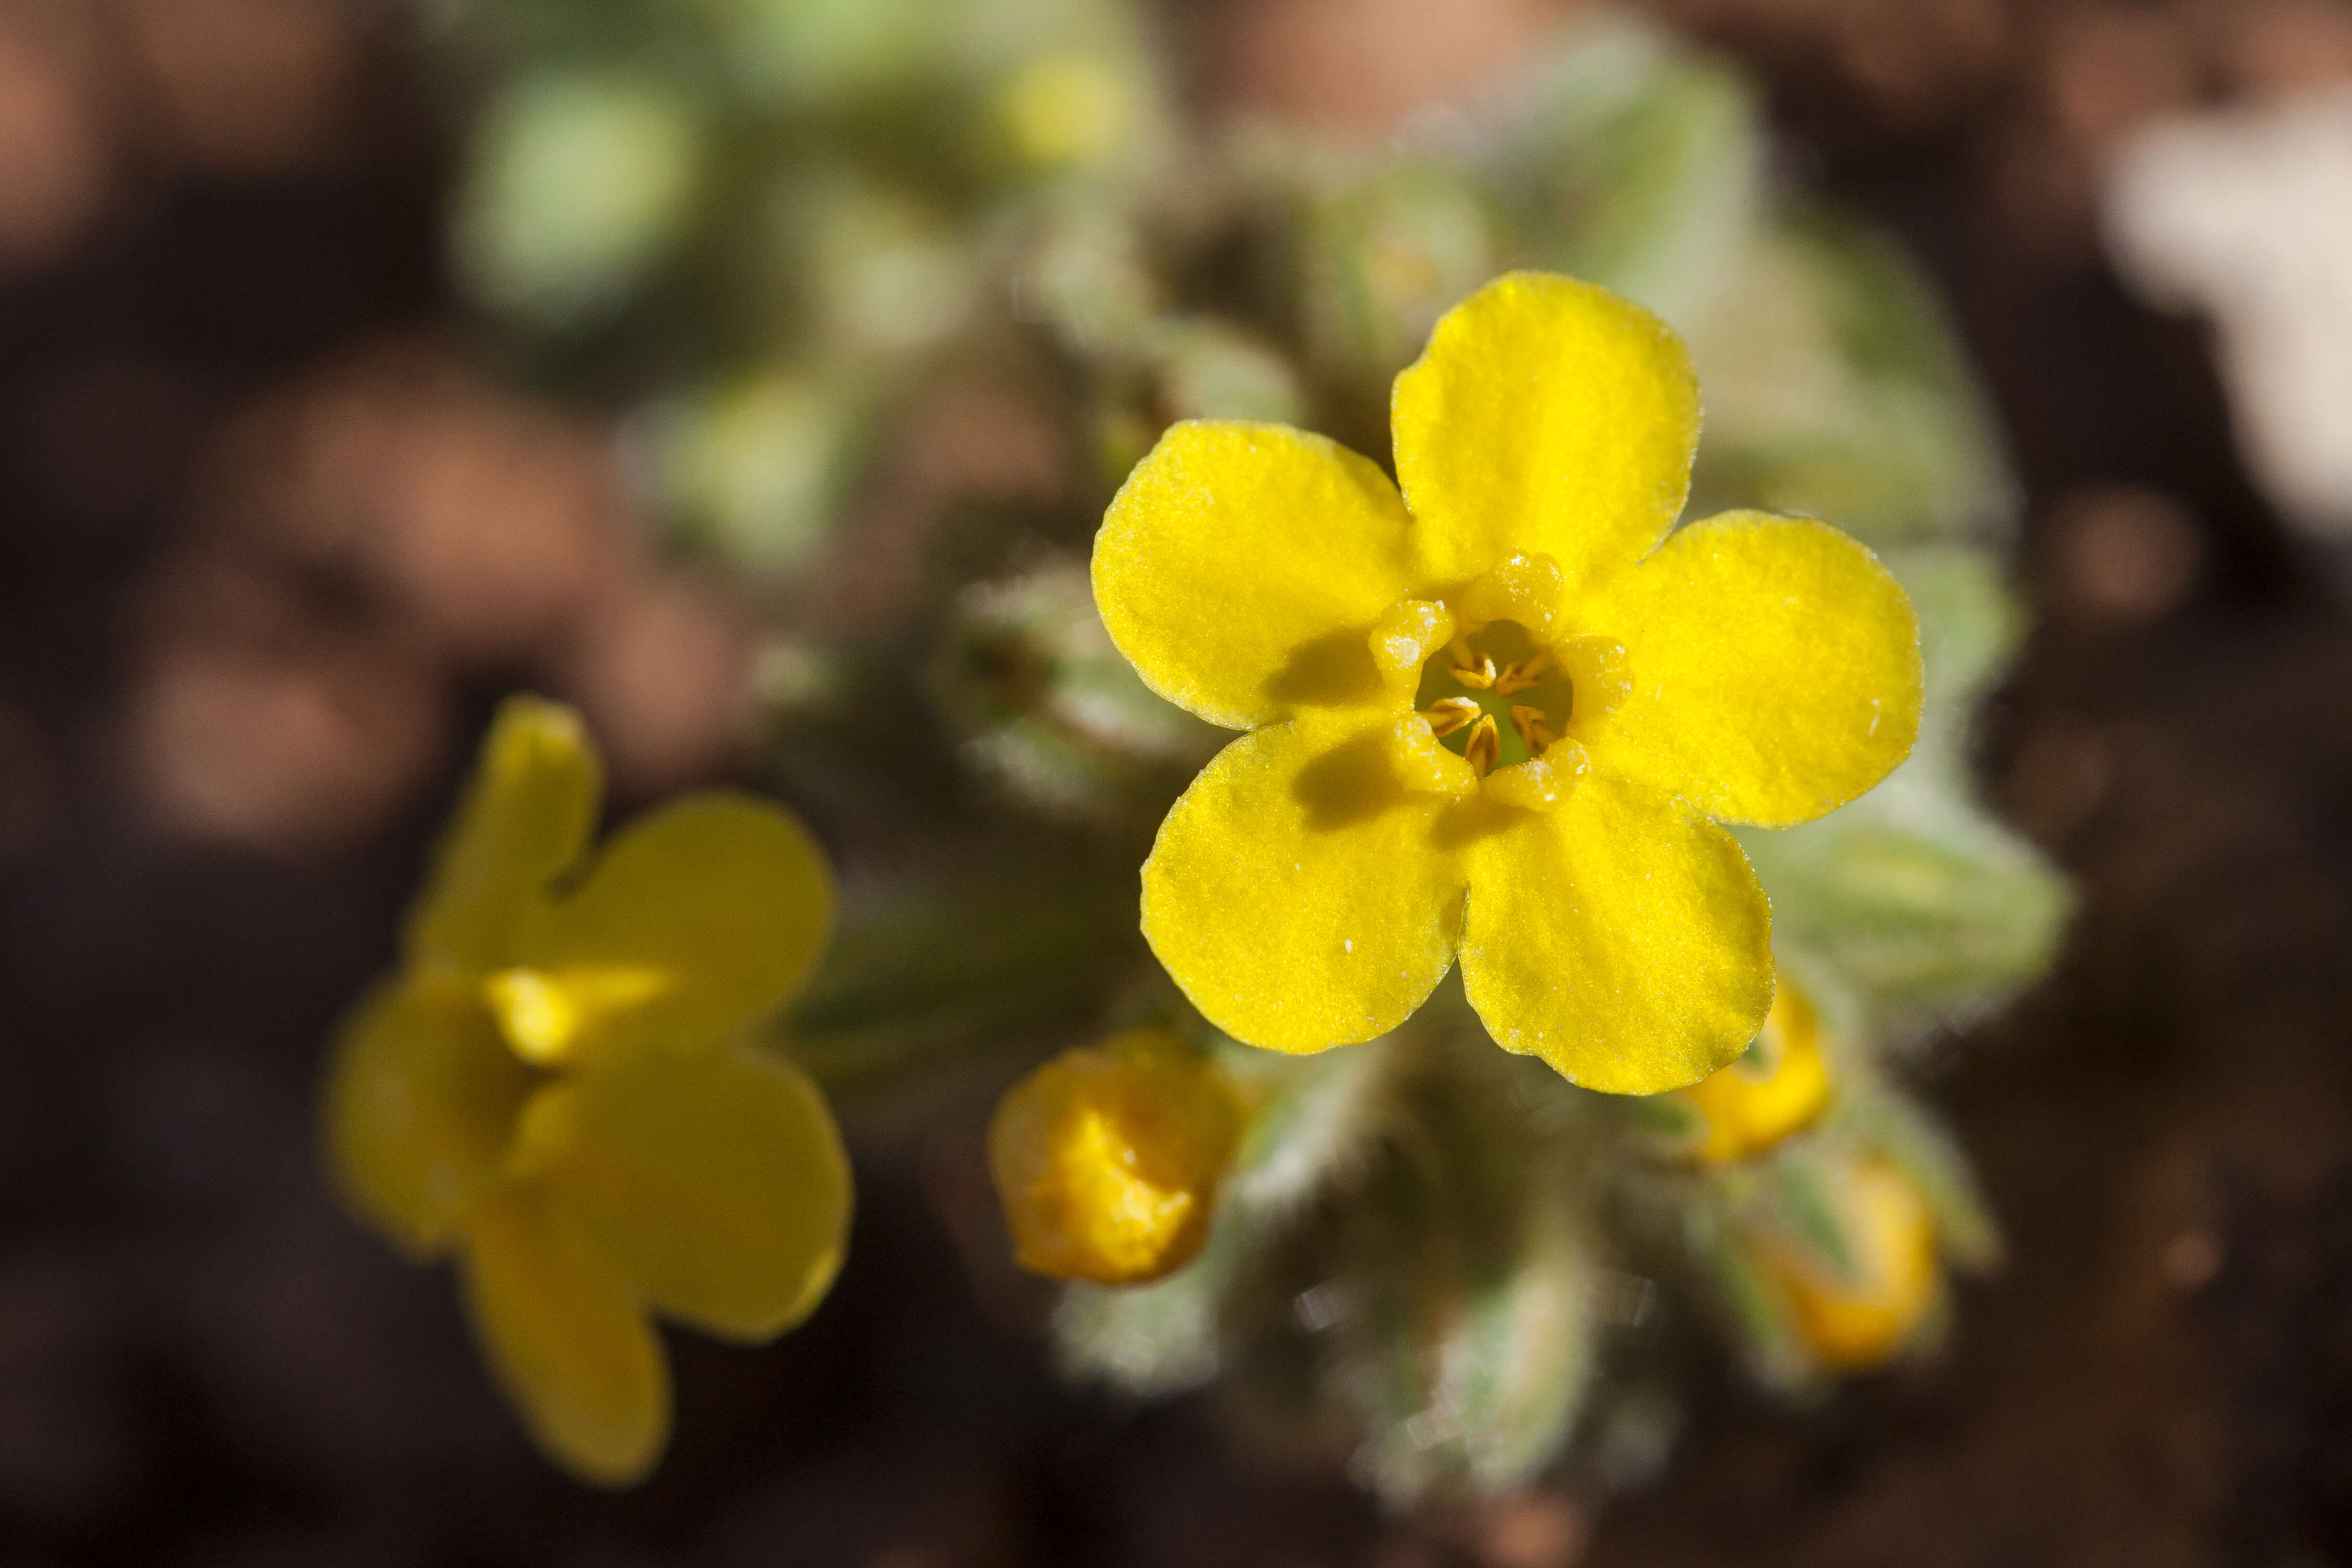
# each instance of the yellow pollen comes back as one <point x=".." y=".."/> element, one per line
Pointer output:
<point x="1534" y="732"/>
<point x="1520" y="676"/>
<point x="1449" y="714"/>
<point x="1485" y="748"/>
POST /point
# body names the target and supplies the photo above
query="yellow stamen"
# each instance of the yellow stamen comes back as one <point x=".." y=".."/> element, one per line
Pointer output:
<point x="1522" y="674"/>
<point x="1472" y="670"/>
<point x="1484" y="747"/>
<point x="544" y="1016"/>
<point x="1479" y="676"/>
<point x="1450" y="713"/>
<point x="1533" y="730"/>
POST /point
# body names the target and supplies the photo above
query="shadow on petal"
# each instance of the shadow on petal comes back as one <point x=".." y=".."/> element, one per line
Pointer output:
<point x="1333" y="670"/>
<point x="1351" y="783"/>
<point x="1471" y="819"/>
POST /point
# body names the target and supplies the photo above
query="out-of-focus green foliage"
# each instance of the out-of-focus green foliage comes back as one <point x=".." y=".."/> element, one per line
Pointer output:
<point x="580" y="182"/>
<point x="757" y="218"/>
<point x="773" y="230"/>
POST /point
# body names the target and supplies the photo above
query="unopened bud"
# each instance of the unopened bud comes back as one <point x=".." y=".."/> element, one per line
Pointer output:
<point x="1107" y="1158"/>
<point x="1778" y="1087"/>
<point x="1856" y="1311"/>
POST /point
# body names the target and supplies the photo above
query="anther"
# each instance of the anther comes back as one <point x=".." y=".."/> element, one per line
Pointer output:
<point x="1450" y="713"/>
<point x="1479" y="676"/>
<point x="1534" y="732"/>
<point x="1470" y="669"/>
<point x="1522" y="674"/>
<point x="1484" y="747"/>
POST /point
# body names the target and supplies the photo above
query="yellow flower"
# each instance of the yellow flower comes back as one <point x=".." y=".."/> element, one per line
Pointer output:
<point x="1777" y="1088"/>
<point x="1108" y="1159"/>
<point x="1065" y="111"/>
<point x="556" y="1089"/>
<point x="1857" y="1316"/>
<point x="1508" y="683"/>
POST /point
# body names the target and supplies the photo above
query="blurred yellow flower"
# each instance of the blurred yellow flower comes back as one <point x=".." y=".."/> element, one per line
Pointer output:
<point x="1108" y="1159"/>
<point x="1508" y="681"/>
<point x="1858" y="1316"/>
<point x="1067" y="110"/>
<point x="556" y="1089"/>
<point x="1777" y="1088"/>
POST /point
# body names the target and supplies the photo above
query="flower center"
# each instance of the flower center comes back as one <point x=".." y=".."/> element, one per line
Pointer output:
<point x="535" y="1014"/>
<point x="1495" y="697"/>
<point x="545" y="1016"/>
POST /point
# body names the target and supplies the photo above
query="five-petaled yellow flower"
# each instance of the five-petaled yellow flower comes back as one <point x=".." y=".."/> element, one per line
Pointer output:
<point x="1502" y="715"/>
<point x="556" y="1087"/>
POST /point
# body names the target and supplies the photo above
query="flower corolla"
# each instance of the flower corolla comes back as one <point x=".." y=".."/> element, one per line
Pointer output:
<point x="1499" y="710"/>
<point x="556" y="1087"/>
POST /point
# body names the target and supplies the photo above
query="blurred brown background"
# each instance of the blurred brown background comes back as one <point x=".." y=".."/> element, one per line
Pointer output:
<point x="273" y="538"/>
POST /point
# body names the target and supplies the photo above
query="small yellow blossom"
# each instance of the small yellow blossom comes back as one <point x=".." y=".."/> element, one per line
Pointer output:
<point x="1777" y="1088"/>
<point x="1858" y="1317"/>
<point x="555" y="1087"/>
<point x="1107" y="1158"/>
<point x="1067" y="110"/>
<point x="1497" y="709"/>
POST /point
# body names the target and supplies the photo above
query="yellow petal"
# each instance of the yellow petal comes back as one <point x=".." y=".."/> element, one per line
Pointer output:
<point x="697" y="919"/>
<point x="1108" y="1159"/>
<point x="1242" y="568"/>
<point x="714" y="1182"/>
<point x="1618" y="937"/>
<point x="421" y="1102"/>
<point x="566" y="1340"/>
<point x="1773" y="668"/>
<point x="1546" y="416"/>
<point x="1296" y="893"/>
<point x="526" y="818"/>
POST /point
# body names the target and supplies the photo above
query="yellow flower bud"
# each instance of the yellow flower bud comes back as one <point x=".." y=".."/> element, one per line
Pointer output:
<point x="1857" y="1322"/>
<point x="1107" y="1158"/>
<point x="1778" y="1088"/>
